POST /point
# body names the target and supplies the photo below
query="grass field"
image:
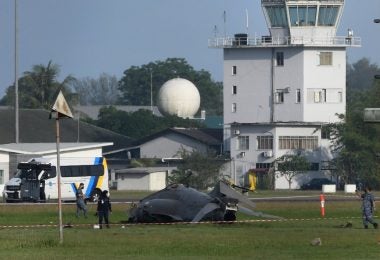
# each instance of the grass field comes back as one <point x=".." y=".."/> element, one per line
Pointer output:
<point x="289" y="239"/>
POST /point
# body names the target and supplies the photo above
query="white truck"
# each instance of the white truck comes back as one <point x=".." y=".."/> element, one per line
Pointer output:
<point x="36" y="180"/>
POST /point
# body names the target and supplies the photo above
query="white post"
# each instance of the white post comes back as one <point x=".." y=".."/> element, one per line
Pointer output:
<point x="59" y="183"/>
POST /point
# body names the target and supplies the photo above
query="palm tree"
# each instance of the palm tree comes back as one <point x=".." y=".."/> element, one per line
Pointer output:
<point x="42" y="84"/>
<point x="38" y="88"/>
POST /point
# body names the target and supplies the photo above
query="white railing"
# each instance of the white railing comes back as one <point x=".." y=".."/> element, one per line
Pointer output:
<point x="241" y="42"/>
<point x="282" y="1"/>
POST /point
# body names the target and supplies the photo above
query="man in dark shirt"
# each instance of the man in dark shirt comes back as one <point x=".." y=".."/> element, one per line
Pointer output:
<point x="104" y="208"/>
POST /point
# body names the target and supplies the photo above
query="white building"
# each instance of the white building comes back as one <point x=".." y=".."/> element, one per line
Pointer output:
<point x="279" y="90"/>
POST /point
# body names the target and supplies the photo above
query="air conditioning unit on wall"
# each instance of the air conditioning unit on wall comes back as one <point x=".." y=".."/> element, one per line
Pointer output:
<point x="268" y="154"/>
<point x="236" y="132"/>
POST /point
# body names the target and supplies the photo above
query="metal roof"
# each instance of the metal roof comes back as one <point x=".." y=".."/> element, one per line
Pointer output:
<point x="46" y="148"/>
<point x="36" y="127"/>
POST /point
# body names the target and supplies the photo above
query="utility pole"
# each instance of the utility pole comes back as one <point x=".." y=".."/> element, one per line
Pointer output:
<point x="151" y="90"/>
<point x="377" y="21"/>
<point x="17" y="133"/>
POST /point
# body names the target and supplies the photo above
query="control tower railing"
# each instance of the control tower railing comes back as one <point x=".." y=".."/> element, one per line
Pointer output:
<point x="267" y="41"/>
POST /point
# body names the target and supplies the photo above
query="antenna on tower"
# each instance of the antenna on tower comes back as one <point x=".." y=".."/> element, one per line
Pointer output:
<point x="215" y="31"/>
<point x="224" y="21"/>
<point x="247" y="20"/>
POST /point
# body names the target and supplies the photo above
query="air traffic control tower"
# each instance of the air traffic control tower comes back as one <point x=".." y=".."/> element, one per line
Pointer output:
<point x="280" y="89"/>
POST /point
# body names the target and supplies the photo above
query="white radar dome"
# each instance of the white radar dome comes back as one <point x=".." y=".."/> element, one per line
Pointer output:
<point x="179" y="97"/>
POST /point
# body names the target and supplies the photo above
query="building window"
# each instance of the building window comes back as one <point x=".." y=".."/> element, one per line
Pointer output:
<point x="323" y="95"/>
<point x="325" y="132"/>
<point x="277" y="16"/>
<point x="263" y="165"/>
<point x="325" y="58"/>
<point x="340" y="96"/>
<point x="234" y="90"/>
<point x="264" y="142"/>
<point x="234" y="108"/>
<point x="303" y="15"/>
<point x="242" y="143"/>
<point x="327" y="15"/>
<point x="1" y="176"/>
<point x="279" y="96"/>
<point x="314" y="167"/>
<point x="234" y="70"/>
<point x="298" y="142"/>
<point x="298" y="95"/>
<point x="315" y="95"/>
<point x="320" y="96"/>
<point x="280" y="59"/>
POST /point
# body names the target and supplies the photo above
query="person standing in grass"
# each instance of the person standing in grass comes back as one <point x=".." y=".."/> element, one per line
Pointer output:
<point x="368" y="207"/>
<point x="104" y="208"/>
<point x="81" y="205"/>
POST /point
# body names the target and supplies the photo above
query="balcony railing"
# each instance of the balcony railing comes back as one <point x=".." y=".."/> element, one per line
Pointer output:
<point x="267" y="41"/>
<point x="283" y="1"/>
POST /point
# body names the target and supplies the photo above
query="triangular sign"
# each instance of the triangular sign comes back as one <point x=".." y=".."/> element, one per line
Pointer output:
<point x="61" y="106"/>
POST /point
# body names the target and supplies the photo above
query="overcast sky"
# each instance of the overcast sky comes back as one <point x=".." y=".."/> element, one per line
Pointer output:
<point x="89" y="37"/>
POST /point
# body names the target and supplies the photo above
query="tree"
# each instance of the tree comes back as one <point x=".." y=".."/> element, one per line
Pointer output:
<point x="355" y="142"/>
<point x="140" y="123"/>
<point x="38" y="88"/>
<point x="289" y="166"/>
<point x="100" y="91"/>
<point x="198" y="170"/>
<point x="360" y="75"/>
<point x="135" y="85"/>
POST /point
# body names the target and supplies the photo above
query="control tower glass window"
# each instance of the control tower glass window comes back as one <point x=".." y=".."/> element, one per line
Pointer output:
<point x="328" y="15"/>
<point x="303" y="15"/>
<point x="277" y="16"/>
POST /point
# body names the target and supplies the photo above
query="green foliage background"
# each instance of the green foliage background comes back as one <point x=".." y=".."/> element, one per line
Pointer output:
<point x="197" y="170"/>
<point x="356" y="142"/>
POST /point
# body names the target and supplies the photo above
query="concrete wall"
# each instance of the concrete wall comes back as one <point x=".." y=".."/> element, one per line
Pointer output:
<point x="252" y="81"/>
<point x="141" y="181"/>
<point x="332" y="78"/>
<point x="132" y="181"/>
<point x="157" y="181"/>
